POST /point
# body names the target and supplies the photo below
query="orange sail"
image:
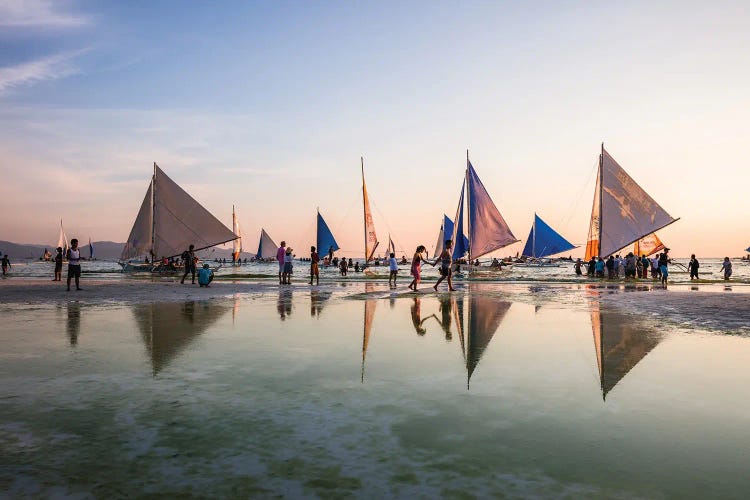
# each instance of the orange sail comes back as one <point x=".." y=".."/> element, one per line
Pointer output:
<point x="592" y="243"/>
<point x="648" y="245"/>
<point x="237" y="244"/>
<point x="371" y="239"/>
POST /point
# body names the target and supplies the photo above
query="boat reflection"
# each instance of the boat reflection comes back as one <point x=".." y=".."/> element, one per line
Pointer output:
<point x="621" y="342"/>
<point x="168" y="328"/>
<point x="477" y="318"/>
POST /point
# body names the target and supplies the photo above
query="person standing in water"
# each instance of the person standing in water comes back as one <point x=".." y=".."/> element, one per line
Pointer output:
<point x="416" y="267"/>
<point x="577" y="266"/>
<point x="727" y="266"/>
<point x="445" y="260"/>
<point x="280" y="256"/>
<point x="188" y="258"/>
<point x="6" y="264"/>
<point x="58" y="265"/>
<point x="393" y="268"/>
<point x="343" y="266"/>
<point x="664" y="261"/>
<point x="693" y="267"/>
<point x="74" y="263"/>
<point x="314" y="269"/>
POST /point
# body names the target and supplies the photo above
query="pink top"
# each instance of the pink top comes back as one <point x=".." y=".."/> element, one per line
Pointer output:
<point x="280" y="254"/>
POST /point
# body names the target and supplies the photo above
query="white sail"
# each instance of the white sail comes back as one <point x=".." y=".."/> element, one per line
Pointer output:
<point x="440" y="241"/>
<point x="139" y="241"/>
<point x="236" y="244"/>
<point x="266" y="247"/>
<point x="62" y="239"/>
<point x="371" y="239"/>
<point x="177" y="221"/>
<point x="626" y="212"/>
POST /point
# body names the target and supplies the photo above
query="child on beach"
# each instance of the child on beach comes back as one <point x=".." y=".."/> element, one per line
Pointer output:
<point x="205" y="276"/>
<point x="286" y="276"/>
<point x="445" y="259"/>
<point x="74" y="263"/>
<point x="314" y="270"/>
<point x="393" y="267"/>
<point x="416" y="267"/>
<point x="58" y="265"/>
<point x="693" y="267"/>
<point x="726" y="268"/>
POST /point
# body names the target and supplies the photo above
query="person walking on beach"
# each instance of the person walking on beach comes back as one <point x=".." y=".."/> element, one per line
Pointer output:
<point x="280" y="256"/>
<point x="445" y="259"/>
<point x="314" y="269"/>
<point x="6" y="264"/>
<point x="288" y="267"/>
<point x="188" y="259"/>
<point x="726" y="268"/>
<point x="74" y="263"/>
<point x="664" y="261"/>
<point x="393" y="268"/>
<point x="693" y="267"/>
<point x="416" y="267"/>
<point x="58" y="264"/>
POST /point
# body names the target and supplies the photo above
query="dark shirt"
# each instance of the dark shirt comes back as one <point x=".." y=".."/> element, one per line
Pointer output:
<point x="663" y="260"/>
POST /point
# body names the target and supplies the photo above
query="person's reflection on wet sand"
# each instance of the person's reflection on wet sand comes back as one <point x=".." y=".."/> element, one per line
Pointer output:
<point x="317" y="301"/>
<point x="445" y="316"/>
<point x="416" y="316"/>
<point x="73" y="325"/>
<point x="284" y="303"/>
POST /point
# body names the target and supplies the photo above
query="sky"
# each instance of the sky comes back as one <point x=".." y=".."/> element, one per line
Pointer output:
<point x="269" y="106"/>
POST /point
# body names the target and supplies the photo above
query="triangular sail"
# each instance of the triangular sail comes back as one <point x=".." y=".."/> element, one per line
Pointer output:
<point x="62" y="239"/>
<point x="544" y="241"/>
<point x="625" y="211"/>
<point x="139" y="241"/>
<point x="391" y="246"/>
<point x="648" y="245"/>
<point x="488" y="231"/>
<point x="180" y="221"/>
<point x="266" y="247"/>
<point x="236" y="244"/>
<point x="325" y="239"/>
<point x="459" y="248"/>
<point x="91" y="249"/>
<point x="446" y="231"/>
<point x="441" y="238"/>
<point x="371" y="239"/>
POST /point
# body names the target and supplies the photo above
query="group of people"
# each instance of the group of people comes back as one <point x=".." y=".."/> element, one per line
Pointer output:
<point x="205" y="274"/>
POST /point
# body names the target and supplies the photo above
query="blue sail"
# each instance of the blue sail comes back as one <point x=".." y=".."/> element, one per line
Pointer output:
<point x="544" y="241"/>
<point x="460" y="245"/>
<point x="488" y="231"/>
<point x="747" y="249"/>
<point x="326" y="241"/>
<point x="446" y="232"/>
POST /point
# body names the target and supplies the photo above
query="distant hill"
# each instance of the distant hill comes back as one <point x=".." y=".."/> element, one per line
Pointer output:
<point x="103" y="250"/>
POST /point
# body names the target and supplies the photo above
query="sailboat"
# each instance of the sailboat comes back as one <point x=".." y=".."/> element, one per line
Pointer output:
<point x="446" y="228"/>
<point x="62" y="240"/>
<point x="169" y="221"/>
<point x="325" y="242"/>
<point x="544" y="241"/>
<point x="236" y="244"/>
<point x="266" y="247"/>
<point x="91" y="249"/>
<point x="483" y="315"/>
<point x="371" y="239"/>
<point x="622" y="212"/>
<point x="648" y="245"/>
<point x="487" y="229"/>
<point x="620" y="344"/>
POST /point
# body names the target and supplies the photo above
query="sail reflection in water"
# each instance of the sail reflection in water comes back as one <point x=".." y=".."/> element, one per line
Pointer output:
<point x="620" y="343"/>
<point x="477" y="319"/>
<point x="169" y="328"/>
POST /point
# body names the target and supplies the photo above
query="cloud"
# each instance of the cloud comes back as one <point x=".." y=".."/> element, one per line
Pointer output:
<point x="39" y="13"/>
<point x="45" y="69"/>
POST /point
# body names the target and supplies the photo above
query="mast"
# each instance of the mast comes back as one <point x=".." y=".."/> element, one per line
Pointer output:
<point x="153" y="212"/>
<point x="364" y="206"/>
<point x="601" y="214"/>
<point x="468" y="209"/>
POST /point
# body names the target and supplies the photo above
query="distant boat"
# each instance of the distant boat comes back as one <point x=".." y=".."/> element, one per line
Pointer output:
<point x="170" y="220"/>
<point x="622" y="212"/>
<point x="477" y="319"/>
<point x="544" y="241"/>
<point x="648" y="245"/>
<point x="446" y="228"/>
<point x="62" y="240"/>
<point x="371" y="239"/>
<point x="487" y="229"/>
<point x="325" y="241"/>
<point x="236" y="244"/>
<point x="266" y="247"/>
<point x="91" y="250"/>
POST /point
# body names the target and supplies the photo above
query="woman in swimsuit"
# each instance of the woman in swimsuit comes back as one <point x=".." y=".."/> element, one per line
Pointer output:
<point x="416" y="267"/>
<point x="445" y="260"/>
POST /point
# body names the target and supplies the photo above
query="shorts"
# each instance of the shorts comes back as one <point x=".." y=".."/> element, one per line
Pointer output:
<point x="415" y="271"/>
<point x="288" y="268"/>
<point x="281" y="267"/>
<point x="664" y="272"/>
<point x="58" y="268"/>
<point x="74" y="271"/>
<point x="445" y="270"/>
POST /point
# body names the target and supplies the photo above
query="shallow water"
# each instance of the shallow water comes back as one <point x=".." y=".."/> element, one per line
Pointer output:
<point x="495" y="390"/>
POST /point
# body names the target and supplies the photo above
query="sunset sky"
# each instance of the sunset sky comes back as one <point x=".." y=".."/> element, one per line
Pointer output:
<point x="269" y="106"/>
